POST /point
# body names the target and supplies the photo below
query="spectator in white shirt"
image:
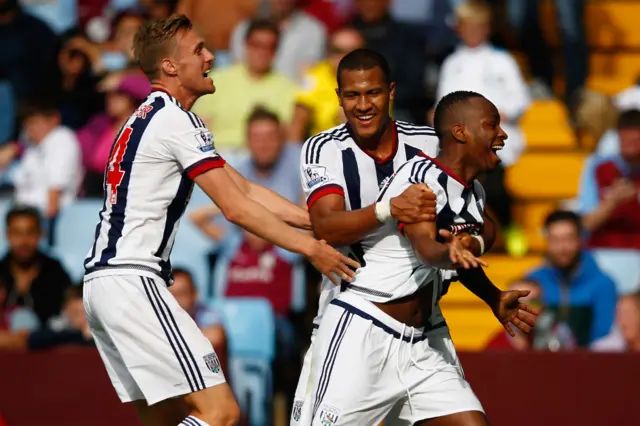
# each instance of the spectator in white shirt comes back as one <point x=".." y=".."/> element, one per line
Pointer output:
<point x="50" y="171"/>
<point x="302" y="39"/>
<point x="478" y="66"/>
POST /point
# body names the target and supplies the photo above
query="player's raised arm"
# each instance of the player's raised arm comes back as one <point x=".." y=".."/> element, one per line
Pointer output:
<point x="324" y="190"/>
<point x="252" y="216"/>
<point x="287" y="211"/>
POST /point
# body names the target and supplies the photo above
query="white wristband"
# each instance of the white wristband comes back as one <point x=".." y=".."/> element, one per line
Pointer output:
<point x="383" y="211"/>
<point x="481" y="241"/>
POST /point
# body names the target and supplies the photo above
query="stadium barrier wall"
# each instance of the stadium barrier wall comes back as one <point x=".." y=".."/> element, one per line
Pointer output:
<point x="70" y="387"/>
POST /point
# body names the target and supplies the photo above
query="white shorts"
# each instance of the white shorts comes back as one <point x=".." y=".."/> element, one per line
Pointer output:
<point x="150" y="346"/>
<point x="301" y="414"/>
<point x="363" y="372"/>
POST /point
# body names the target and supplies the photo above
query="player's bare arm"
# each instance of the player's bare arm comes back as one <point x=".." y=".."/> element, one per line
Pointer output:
<point x="451" y="254"/>
<point x="287" y="211"/>
<point x="505" y="305"/>
<point x="252" y="216"/>
<point x="333" y="223"/>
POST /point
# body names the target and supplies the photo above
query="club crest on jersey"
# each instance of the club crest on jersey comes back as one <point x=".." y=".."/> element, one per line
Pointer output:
<point x="296" y="413"/>
<point x="315" y="175"/>
<point x="329" y="415"/>
<point x="205" y="141"/>
<point x="212" y="361"/>
<point x="143" y="110"/>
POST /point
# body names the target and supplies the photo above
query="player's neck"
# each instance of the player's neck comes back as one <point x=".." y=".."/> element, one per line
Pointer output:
<point x="186" y="98"/>
<point x="458" y="166"/>
<point x="381" y="143"/>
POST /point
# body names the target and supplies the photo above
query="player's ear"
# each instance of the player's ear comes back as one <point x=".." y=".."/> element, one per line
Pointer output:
<point x="168" y="67"/>
<point x="338" y="95"/>
<point x="459" y="132"/>
<point x="392" y="91"/>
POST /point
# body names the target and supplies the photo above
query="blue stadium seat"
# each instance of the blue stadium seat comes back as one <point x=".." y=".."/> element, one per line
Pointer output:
<point x="250" y="327"/>
<point x="190" y="251"/>
<point x="75" y="229"/>
<point x="5" y="206"/>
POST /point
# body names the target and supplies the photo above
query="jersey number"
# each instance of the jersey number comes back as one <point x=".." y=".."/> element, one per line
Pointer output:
<point x="115" y="174"/>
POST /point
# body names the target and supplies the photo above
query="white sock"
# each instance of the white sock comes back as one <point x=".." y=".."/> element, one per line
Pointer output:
<point x="193" y="421"/>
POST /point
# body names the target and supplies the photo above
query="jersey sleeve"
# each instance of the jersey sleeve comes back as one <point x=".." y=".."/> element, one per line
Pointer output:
<point x="480" y="194"/>
<point x="320" y="169"/>
<point x="193" y="148"/>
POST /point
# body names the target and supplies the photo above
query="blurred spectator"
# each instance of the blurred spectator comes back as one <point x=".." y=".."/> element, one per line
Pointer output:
<point x="524" y="16"/>
<point x="216" y="28"/>
<point x="303" y="39"/>
<point x="625" y="335"/>
<point x="317" y="108"/>
<point x="71" y="328"/>
<point x="478" y="66"/>
<point x="49" y="174"/>
<point x="609" y="195"/>
<point x="596" y="116"/>
<point x="186" y="293"/>
<point x="79" y="98"/>
<point x="578" y="298"/>
<point x="28" y="277"/>
<point x="520" y="342"/>
<point x="329" y="12"/>
<point x="242" y="87"/>
<point x="28" y="59"/>
<point x="96" y="138"/>
<point x="403" y="45"/>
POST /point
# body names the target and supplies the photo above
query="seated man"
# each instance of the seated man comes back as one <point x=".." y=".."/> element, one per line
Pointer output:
<point x="70" y="328"/>
<point x="209" y="321"/>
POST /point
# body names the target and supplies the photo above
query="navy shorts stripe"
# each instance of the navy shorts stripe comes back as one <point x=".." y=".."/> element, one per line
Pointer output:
<point x="327" y="366"/>
<point x="166" y="332"/>
<point x="198" y="374"/>
<point x="189" y="421"/>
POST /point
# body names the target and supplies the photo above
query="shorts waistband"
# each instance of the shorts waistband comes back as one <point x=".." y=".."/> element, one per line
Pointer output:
<point x="125" y="269"/>
<point x="363" y="308"/>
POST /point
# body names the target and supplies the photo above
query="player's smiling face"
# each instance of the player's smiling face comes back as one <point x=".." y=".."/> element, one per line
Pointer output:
<point x="485" y="136"/>
<point x="194" y="62"/>
<point x="365" y="96"/>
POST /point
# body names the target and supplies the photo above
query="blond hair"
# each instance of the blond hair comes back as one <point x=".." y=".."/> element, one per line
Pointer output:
<point x="476" y="11"/>
<point x="154" y="41"/>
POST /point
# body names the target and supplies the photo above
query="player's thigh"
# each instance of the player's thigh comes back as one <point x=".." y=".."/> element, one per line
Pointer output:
<point x="215" y="405"/>
<point x="169" y="412"/>
<point x="162" y="347"/>
<point x="348" y="379"/>
<point x="465" y="418"/>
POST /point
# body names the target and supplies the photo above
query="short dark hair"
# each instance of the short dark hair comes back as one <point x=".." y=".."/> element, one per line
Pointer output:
<point x="43" y="104"/>
<point x="363" y="59"/>
<point x="260" y="24"/>
<point x="446" y="106"/>
<point x="262" y="113"/>
<point x="629" y="119"/>
<point x="187" y="273"/>
<point x="563" y="216"/>
<point x="23" y="211"/>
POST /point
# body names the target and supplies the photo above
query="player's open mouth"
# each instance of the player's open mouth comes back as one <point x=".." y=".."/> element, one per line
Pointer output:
<point x="497" y="147"/>
<point x="365" y="118"/>
<point x="206" y="73"/>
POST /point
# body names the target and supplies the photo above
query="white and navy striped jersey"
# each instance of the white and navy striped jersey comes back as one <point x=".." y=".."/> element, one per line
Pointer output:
<point x="391" y="269"/>
<point x="148" y="181"/>
<point x="332" y="163"/>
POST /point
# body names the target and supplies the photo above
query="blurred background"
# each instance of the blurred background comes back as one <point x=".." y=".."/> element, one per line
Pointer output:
<point x="564" y="74"/>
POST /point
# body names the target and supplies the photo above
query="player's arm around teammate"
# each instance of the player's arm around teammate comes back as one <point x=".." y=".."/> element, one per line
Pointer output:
<point x="286" y="210"/>
<point x="252" y="216"/>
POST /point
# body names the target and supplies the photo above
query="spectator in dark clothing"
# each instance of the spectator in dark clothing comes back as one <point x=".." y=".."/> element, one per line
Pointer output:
<point x="579" y="299"/>
<point x="29" y="277"/>
<point x="403" y="45"/>
<point x="28" y="54"/>
<point x="70" y="328"/>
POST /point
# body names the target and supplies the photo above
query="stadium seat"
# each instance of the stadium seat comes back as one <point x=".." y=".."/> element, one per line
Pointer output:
<point x="250" y="327"/>
<point x="5" y="205"/>
<point x="190" y="251"/>
<point x="74" y="230"/>
<point x="531" y="216"/>
<point x="545" y="176"/>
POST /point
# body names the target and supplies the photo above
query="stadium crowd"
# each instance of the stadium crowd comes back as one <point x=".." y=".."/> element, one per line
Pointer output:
<point x="67" y="84"/>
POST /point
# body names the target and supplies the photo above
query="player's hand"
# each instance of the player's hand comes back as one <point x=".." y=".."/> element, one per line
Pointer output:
<point x="416" y="204"/>
<point x="510" y="311"/>
<point x="460" y="256"/>
<point x="332" y="263"/>
<point x="465" y="239"/>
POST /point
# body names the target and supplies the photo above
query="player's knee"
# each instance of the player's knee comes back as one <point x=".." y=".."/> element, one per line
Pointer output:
<point x="224" y="413"/>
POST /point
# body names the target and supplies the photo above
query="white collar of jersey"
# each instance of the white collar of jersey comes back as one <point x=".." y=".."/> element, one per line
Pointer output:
<point x="161" y="92"/>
